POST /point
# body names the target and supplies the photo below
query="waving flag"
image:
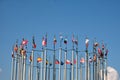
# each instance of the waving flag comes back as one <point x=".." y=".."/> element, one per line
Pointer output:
<point x="44" y="43"/>
<point x="24" y="42"/>
<point x="16" y="48"/>
<point x="65" y="41"/>
<point x="33" y="43"/>
<point x="82" y="60"/>
<point x="86" y="42"/>
<point x="96" y="44"/>
<point x="100" y="52"/>
<point x="39" y="59"/>
<point x="57" y="62"/>
<point x="54" y="41"/>
<point x="13" y="55"/>
<point x="68" y="61"/>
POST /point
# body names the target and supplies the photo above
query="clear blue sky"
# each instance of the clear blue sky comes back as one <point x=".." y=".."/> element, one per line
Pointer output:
<point x="98" y="19"/>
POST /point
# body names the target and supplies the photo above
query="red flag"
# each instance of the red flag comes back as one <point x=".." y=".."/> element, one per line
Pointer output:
<point x="44" y="43"/>
<point x="95" y="58"/>
<point x="24" y="42"/>
<point x="82" y="60"/>
<point x="68" y="61"/>
<point x="75" y="61"/>
<point x="57" y="62"/>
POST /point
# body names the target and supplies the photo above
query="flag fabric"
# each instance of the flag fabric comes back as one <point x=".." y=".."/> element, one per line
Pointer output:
<point x="100" y="52"/>
<point x="16" y="48"/>
<point x="50" y="64"/>
<point x="75" y="61"/>
<point x="95" y="57"/>
<point x="103" y="47"/>
<point x="106" y="53"/>
<point x="47" y="62"/>
<point x="82" y="60"/>
<point x="33" y="43"/>
<point x="44" y="43"/>
<point x="96" y="44"/>
<point x="68" y="61"/>
<point x="13" y="55"/>
<point x="62" y="63"/>
<point x="57" y="62"/>
<point x="86" y="42"/>
<point x="54" y="41"/>
<point x="23" y="52"/>
<point x="30" y="58"/>
<point x="24" y="42"/>
<point x="39" y="59"/>
<point x="90" y="60"/>
<point x="65" y="41"/>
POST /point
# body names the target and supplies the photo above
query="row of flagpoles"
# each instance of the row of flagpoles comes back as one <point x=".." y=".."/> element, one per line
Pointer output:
<point x="95" y="66"/>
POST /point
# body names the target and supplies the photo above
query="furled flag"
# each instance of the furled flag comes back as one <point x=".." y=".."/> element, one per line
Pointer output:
<point x="33" y="43"/>
<point x="54" y="41"/>
<point x="87" y="42"/>
<point x="65" y="41"/>
<point x="61" y="63"/>
<point x="68" y="61"/>
<point x="106" y="53"/>
<point x="13" y="55"/>
<point x="30" y="58"/>
<point x="39" y="59"/>
<point x="82" y="60"/>
<point x="95" y="57"/>
<point x="100" y="52"/>
<point x="24" y="42"/>
<point x="44" y="43"/>
<point x="16" y="48"/>
<point x="57" y="62"/>
<point x="96" y="44"/>
<point x="90" y="60"/>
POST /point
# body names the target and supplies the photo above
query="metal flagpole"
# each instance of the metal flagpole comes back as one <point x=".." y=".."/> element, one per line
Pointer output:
<point x="65" y="73"/>
<point x="42" y="63"/>
<point x="60" y="53"/>
<point x="72" y="66"/>
<point x="24" y="67"/>
<point x="12" y="67"/>
<point x="44" y="76"/>
<point x="16" y="66"/>
<point x="77" y="60"/>
<point x="49" y="70"/>
<point x="32" y="65"/>
<point x="29" y="71"/>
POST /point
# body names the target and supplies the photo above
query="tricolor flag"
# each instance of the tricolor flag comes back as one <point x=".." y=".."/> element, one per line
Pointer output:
<point x="39" y="59"/>
<point x="23" y="52"/>
<point x="82" y="60"/>
<point x="24" y="42"/>
<point x="33" y="43"/>
<point x="57" y="62"/>
<point x="44" y="42"/>
<point x="87" y="42"/>
<point x="54" y="41"/>
<point x="68" y="61"/>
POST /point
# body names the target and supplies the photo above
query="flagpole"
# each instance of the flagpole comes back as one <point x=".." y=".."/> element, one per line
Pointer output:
<point x="32" y="65"/>
<point x="81" y="75"/>
<point x="12" y="67"/>
<point x="24" y="67"/>
<point x="49" y="70"/>
<point x="77" y="60"/>
<point x="65" y="73"/>
<point x="72" y="77"/>
<point x="42" y="64"/>
<point x="60" y="53"/>
<point x="29" y="71"/>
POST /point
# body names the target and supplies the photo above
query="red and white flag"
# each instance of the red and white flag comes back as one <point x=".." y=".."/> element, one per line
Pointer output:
<point x="82" y="60"/>
<point x="24" y="42"/>
<point x="87" y="42"/>
<point x="44" y="43"/>
<point x="68" y="61"/>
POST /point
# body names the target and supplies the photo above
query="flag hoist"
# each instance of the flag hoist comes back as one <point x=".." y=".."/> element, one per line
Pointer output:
<point x="39" y="67"/>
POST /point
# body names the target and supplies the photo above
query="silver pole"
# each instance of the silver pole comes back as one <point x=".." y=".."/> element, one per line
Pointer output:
<point x="87" y="64"/>
<point x="65" y="73"/>
<point x="72" y="76"/>
<point x="24" y="67"/>
<point x="76" y="63"/>
<point x="44" y="74"/>
<point x="12" y="67"/>
<point x="16" y="66"/>
<point x="81" y="75"/>
<point x="42" y="63"/>
<point x="60" y="53"/>
<point x="32" y="65"/>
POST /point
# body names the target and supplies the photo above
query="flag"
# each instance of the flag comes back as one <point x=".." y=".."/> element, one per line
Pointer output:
<point x="24" y="42"/>
<point x="82" y="60"/>
<point x="90" y="60"/>
<point x="16" y="48"/>
<point x="44" y="43"/>
<point x="106" y="52"/>
<point x="95" y="57"/>
<point x="76" y="42"/>
<point x="61" y="63"/>
<point x="86" y="42"/>
<point x="54" y="41"/>
<point x="73" y="39"/>
<point x="33" y="43"/>
<point x="23" y="52"/>
<point x="13" y="55"/>
<point x="103" y="47"/>
<point x="30" y="58"/>
<point x="68" y="61"/>
<point x="100" y="52"/>
<point x="50" y="64"/>
<point x="96" y="44"/>
<point x="39" y="59"/>
<point x="47" y="62"/>
<point x="57" y="62"/>
<point x="65" y="41"/>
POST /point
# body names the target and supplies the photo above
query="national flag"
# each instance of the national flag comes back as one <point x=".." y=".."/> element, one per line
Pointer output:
<point x="39" y="59"/>
<point x="86" y="42"/>
<point x="82" y="60"/>
<point x="16" y="48"/>
<point x="76" y="42"/>
<point x="24" y="42"/>
<point x="54" y="41"/>
<point x="96" y="44"/>
<point x="106" y="53"/>
<point x="65" y="41"/>
<point x="47" y="62"/>
<point x="13" y="55"/>
<point x="103" y="47"/>
<point x="23" y="52"/>
<point x="50" y="64"/>
<point x="95" y="57"/>
<point x="30" y="58"/>
<point x="62" y="63"/>
<point x="68" y="61"/>
<point x="100" y="52"/>
<point x="57" y="62"/>
<point x="90" y="60"/>
<point x="33" y="43"/>
<point x="44" y="43"/>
